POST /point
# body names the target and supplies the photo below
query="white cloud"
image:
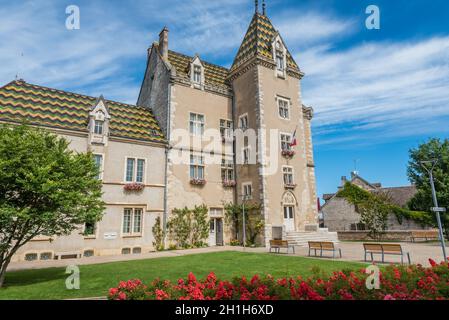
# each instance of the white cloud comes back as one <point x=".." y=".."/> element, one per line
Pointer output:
<point x="391" y="89"/>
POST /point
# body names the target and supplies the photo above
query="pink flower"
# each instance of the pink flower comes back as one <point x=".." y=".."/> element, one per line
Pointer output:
<point x="389" y="297"/>
<point x="113" y="291"/>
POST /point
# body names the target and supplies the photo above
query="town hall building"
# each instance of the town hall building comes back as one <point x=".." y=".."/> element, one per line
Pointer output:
<point x="141" y="145"/>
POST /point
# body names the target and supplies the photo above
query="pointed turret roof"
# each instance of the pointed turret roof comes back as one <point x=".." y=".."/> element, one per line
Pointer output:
<point x="258" y="41"/>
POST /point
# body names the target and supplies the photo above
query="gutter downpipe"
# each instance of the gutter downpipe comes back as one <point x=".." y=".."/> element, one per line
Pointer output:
<point x="167" y="151"/>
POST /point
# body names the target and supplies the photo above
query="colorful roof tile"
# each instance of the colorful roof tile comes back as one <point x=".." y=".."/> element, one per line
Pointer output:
<point x="213" y="74"/>
<point x="23" y="102"/>
<point x="258" y="41"/>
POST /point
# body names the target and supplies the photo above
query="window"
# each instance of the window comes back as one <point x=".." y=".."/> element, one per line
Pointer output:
<point x="226" y="129"/>
<point x="284" y="108"/>
<point x="197" y="74"/>
<point x="99" y="162"/>
<point x="196" y="124"/>
<point x="46" y="256"/>
<point x="88" y="253"/>
<point x="89" y="229"/>
<point x="286" y="141"/>
<point x="227" y="170"/>
<point x="247" y="191"/>
<point x="135" y="170"/>
<point x="132" y="221"/>
<point x="288" y="212"/>
<point x="137" y="250"/>
<point x="98" y="128"/>
<point x="243" y="122"/>
<point x="246" y="155"/>
<point x="140" y="170"/>
<point x="196" y="167"/>
<point x="31" y="257"/>
<point x="126" y="251"/>
<point x="288" y="176"/>
<point x="280" y="60"/>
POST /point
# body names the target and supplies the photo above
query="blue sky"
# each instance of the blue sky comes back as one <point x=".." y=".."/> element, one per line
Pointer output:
<point x="376" y="93"/>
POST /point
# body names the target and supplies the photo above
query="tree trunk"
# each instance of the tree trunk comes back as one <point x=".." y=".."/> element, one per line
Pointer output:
<point x="3" y="265"/>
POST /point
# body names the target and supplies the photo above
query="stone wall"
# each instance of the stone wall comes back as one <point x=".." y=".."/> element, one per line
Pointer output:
<point x="394" y="235"/>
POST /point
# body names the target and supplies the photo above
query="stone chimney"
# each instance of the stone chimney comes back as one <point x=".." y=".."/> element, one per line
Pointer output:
<point x="163" y="43"/>
<point x="343" y="181"/>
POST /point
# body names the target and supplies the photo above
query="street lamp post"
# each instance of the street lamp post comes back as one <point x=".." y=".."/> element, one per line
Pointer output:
<point x="244" y="197"/>
<point x="436" y="209"/>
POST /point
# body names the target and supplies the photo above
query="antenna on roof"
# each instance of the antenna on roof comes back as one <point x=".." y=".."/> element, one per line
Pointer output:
<point x="257" y="6"/>
<point x="19" y="67"/>
<point x="355" y="166"/>
<point x="264" y="8"/>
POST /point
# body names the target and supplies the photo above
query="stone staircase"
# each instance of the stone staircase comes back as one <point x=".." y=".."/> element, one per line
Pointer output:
<point x="301" y="238"/>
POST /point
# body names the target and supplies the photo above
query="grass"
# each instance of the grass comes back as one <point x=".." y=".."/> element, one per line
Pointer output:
<point x="97" y="279"/>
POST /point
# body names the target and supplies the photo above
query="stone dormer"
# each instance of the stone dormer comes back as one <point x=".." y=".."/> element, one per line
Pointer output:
<point x="280" y="56"/>
<point x="197" y="73"/>
<point x="99" y="122"/>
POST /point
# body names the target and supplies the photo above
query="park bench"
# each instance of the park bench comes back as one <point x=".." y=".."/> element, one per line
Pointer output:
<point x="323" y="246"/>
<point x="277" y="245"/>
<point x="427" y="235"/>
<point x="385" y="249"/>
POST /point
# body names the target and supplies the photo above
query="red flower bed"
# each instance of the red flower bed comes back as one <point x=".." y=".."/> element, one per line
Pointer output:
<point x="396" y="283"/>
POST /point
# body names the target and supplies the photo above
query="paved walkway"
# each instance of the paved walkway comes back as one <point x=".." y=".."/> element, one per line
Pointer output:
<point x="352" y="251"/>
<point x="419" y="252"/>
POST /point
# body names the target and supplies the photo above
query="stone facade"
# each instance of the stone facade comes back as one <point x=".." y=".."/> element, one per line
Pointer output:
<point x="340" y="215"/>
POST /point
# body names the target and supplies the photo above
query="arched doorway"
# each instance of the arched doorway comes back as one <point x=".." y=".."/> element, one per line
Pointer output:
<point x="289" y="205"/>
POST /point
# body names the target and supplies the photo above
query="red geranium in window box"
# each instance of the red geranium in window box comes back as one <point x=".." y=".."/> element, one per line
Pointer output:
<point x="134" y="187"/>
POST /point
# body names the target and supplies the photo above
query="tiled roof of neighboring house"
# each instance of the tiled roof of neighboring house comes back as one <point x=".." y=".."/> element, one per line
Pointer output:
<point x="36" y="105"/>
<point x="213" y="74"/>
<point x="400" y="195"/>
<point x="258" y="42"/>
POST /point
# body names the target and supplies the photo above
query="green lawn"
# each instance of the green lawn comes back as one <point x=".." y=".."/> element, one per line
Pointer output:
<point x="97" y="279"/>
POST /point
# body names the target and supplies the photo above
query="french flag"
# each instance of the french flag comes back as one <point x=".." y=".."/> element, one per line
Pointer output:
<point x="294" y="141"/>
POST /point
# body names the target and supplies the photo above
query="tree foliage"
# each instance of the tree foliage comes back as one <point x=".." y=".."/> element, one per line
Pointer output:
<point x="45" y="189"/>
<point x="189" y="228"/>
<point x="374" y="207"/>
<point x="158" y="235"/>
<point x="432" y="149"/>
<point x="254" y="220"/>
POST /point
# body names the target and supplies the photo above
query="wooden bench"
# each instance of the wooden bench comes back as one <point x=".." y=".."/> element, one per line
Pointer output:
<point x="427" y="235"/>
<point x="385" y="249"/>
<point x="323" y="246"/>
<point x="277" y="245"/>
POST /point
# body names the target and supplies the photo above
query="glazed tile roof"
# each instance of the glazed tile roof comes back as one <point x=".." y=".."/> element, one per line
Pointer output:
<point x="23" y="102"/>
<point x="214" y="75"/>
<point x="258" y="42"/>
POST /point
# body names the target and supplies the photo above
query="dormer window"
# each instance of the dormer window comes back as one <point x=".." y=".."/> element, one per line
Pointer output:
<point x="197" y="74"/>
<point x="280" y="56"/>
<point x="99" y="123"/>
<point x="98" y="128"/>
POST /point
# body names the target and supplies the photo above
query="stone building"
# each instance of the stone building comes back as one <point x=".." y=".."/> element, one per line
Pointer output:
<point x="340" y="215"/>
<point x="147" y="143"/>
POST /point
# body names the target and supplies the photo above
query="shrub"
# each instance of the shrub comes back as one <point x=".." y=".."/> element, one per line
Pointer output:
<point x="158" y="235"/>
<point x="396" y="283"/>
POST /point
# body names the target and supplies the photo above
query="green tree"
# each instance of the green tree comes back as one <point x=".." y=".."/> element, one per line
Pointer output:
<point x="253" y="218"/>
<point x="45" y="189"/>
<point x="158" y="235"/>
<point x="374" y="213"/>
<point x="189" y="228"/>
<point x="432" y="149"/>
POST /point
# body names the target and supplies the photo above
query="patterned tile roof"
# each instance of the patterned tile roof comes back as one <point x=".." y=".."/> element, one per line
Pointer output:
<point x="36" y="105"/>
<point x="258" y="42"/>
<point x="214" y="75"/>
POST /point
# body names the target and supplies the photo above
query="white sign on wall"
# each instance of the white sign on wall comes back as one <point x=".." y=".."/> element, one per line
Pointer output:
<point x="110" y="235"/>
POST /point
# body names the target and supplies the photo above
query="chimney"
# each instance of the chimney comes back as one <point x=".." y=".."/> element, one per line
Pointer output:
<point x="163" y="43"/>
<point x="343" y="181"/>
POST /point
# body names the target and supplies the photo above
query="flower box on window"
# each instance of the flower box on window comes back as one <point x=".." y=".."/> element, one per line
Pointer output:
<point x="134" y="187"/>
<point x="229" y="184"/>
<point x="198" y="182"/>
<point x="288" y="153"/>
<point x="290" y="186"/>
